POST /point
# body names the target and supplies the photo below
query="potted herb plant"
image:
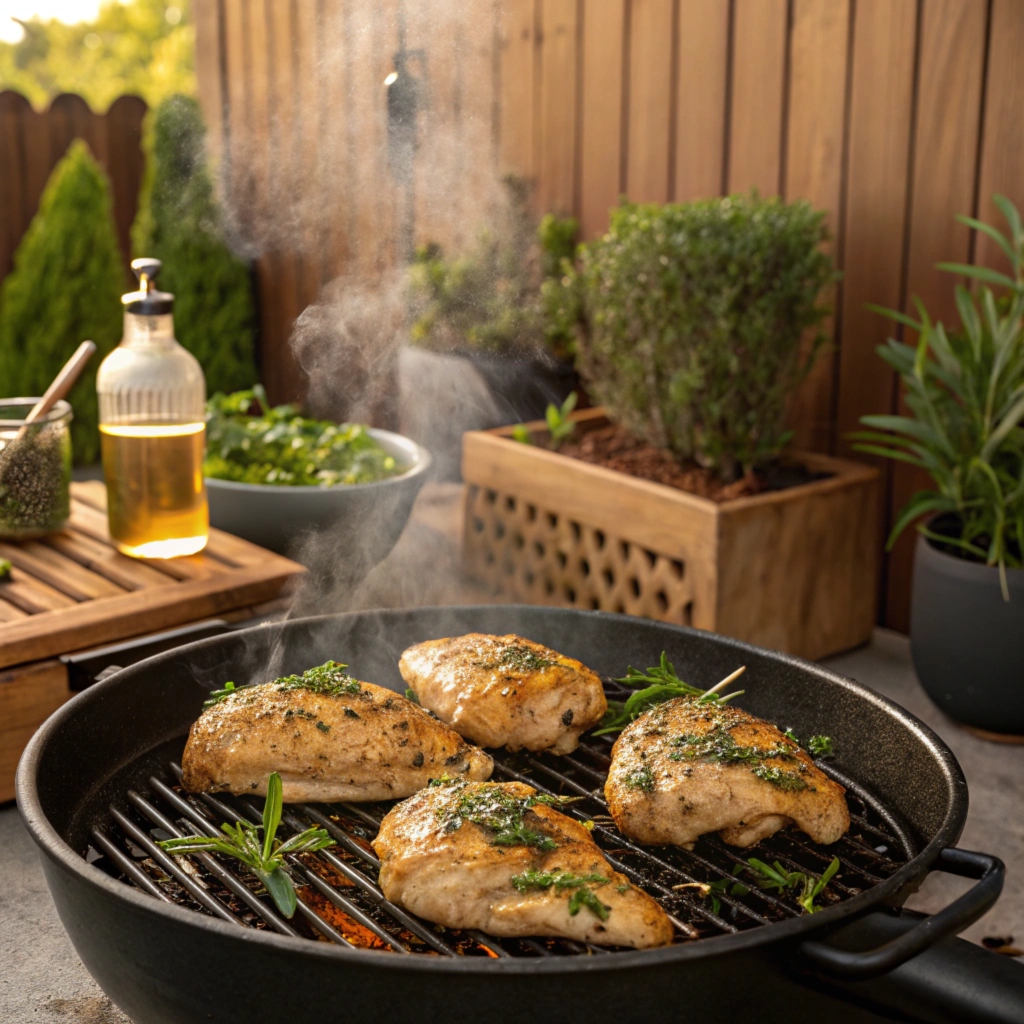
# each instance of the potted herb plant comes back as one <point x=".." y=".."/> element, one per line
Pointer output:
<point x="679" y="499"/>
<point x="484" y="348"/>
<point x="964" y="390"/>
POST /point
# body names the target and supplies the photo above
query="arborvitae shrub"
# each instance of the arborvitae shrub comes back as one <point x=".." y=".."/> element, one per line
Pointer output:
<point x="695" y="317"/>
<point x="179" y="223"/>
<point x="65" y="287"/>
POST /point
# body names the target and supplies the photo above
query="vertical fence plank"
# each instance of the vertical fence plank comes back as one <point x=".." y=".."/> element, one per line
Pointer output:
<point x="206" y="18"/>
<point x="556" y="179"/>
<point x="881" y="103"/>
<point x="340" y="137"/>
<point x="601" y="127"/>
<point x="479" y="113"/>
<point x="1002" y="155"/>
<point x="650" y="101"/>
<point x="14" y="205"/>
<point x="813" y="171"/>
<point x="237" y="181"/>
<point x="702" y="86"/>
<point x="125" y="163"/>
<point x="441" y="160"/>
<point x="881" y="99"/>
<point x="518" y="62"/>
<point x="758" y="88"/>
<point x="952" y="48"/>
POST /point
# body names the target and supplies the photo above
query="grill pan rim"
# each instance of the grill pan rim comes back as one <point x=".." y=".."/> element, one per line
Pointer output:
<point x="68" y="859"/>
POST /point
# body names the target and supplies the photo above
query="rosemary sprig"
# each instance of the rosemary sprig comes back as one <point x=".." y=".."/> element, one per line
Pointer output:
<point x="777" y="877"/>
<point x="265" y="859"/>
<point x="660" y="683"/>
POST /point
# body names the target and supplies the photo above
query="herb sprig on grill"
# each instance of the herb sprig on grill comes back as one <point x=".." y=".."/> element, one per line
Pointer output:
<point x="265" y="859"/>
<point x="659" y="684"/>
<point x="777" y="877"/>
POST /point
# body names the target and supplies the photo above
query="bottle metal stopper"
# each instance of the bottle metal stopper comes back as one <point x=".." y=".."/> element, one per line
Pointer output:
<point x="147" y="301"/>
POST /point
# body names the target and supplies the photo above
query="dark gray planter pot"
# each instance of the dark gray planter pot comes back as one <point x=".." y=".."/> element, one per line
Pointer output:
<point x="967" y="642"/>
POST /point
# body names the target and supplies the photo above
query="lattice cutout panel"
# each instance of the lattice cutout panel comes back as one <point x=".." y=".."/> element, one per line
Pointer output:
<point x="530" y="554"/>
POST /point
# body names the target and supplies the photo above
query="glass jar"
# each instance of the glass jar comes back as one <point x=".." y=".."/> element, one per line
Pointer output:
<point x="152" y="397"/>
<point x="35" y="469"/>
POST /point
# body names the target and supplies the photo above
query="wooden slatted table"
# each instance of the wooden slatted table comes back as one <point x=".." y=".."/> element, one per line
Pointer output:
<point x="74" y="590"/>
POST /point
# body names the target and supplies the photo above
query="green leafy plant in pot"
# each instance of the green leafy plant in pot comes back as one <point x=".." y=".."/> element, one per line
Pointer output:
<point x="695" y="323"/>
<point x="964" y="389"/>
<point x="488" y="305"/>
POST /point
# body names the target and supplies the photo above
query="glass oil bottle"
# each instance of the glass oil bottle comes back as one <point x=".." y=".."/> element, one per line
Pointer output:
<point x="152" y="398"/>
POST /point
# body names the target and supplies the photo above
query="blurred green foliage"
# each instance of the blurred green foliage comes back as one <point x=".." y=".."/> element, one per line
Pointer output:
<point x="694" y="320"/>
<point x="66" y="286"/>
<point x="179" y="222"/>
<point x="492" y="298"/>
<point x="143" y="47"/>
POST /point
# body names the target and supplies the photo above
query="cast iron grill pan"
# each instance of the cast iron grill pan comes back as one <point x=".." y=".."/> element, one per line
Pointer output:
<point x="340" y="901"/>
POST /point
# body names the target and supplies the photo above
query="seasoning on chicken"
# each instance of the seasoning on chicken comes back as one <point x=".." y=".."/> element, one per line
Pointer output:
<point x="499" y="857"/>
<point x="692" y="766"/>
<point x="329" y="736"/>
<point x="504" y="691"/>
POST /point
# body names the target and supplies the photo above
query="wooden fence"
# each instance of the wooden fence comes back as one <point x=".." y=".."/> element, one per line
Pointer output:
<point x="891" y="115"/>
<point x="32" y="142"/>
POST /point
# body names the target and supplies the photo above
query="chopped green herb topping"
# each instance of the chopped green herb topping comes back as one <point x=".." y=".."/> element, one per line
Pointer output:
<point x="495" y="808"/>
<point x="329" y="679"/>
<point x="789" y="781"/>
<point x="411" y="695"/>
<point x="218" y="695"/>
<point x="816" y="746"/>
<point x="820" y="746"/>
<point x="518" y="658"/>
<point x="323" y="726"/>
<point x="718" y="745"/>
<point x="5" y="569"/>
<point x="579" y="885"/>
<point x="640" y="778"/>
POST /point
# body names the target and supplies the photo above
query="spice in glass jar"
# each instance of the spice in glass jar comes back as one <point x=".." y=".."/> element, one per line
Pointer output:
<point x="35" y="469"/>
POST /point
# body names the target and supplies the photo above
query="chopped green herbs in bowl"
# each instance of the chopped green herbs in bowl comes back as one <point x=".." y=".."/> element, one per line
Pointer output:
<point x="249" y="442"/>
<point x="277" y="478"/>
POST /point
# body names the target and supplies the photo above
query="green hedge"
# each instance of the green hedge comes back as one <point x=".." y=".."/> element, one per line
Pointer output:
<point x="65" y="287"/>
<point x="179" y="223"/>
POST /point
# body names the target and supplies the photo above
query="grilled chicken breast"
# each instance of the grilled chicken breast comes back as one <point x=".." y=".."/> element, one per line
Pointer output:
<point x="494" y="856"/>
<point x="329" y="736"/>
<point x="688" y="767"/>
<point x="504" y="691"/>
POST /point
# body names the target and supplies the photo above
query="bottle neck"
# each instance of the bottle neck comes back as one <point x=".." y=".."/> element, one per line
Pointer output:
<point x="148" y="330"/>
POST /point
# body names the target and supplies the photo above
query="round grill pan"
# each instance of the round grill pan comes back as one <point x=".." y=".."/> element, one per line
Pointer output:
<point x="97" y="783"/>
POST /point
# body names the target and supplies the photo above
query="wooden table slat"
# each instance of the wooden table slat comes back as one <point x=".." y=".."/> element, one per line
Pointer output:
<point x="73" y="589"/>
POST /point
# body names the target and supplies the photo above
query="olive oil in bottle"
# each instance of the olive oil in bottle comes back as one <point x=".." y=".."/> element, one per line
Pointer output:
<point x="152" y="428"/>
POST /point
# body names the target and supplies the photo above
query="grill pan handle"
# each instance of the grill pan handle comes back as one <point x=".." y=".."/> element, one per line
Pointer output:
<point x="952" y="920"/>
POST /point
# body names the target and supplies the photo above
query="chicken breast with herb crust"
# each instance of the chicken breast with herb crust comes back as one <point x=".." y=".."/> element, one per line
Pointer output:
<point x="692" y="766"/>
<point x="501" y="858"/>
<point x="504" y="691"/>
<point x="330" y="737"/>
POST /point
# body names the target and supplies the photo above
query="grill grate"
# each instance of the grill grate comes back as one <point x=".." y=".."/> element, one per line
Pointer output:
<point x="340" y="901"/>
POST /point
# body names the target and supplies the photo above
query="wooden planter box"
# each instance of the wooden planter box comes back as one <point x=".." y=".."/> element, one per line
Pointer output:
<point x="793" y="570"/>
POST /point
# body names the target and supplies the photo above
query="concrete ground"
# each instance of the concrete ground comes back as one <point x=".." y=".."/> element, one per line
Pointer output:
<point x="43" y="982"/>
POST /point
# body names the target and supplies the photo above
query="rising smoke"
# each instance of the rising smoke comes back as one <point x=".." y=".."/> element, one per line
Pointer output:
<point x="345" y="178"/>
